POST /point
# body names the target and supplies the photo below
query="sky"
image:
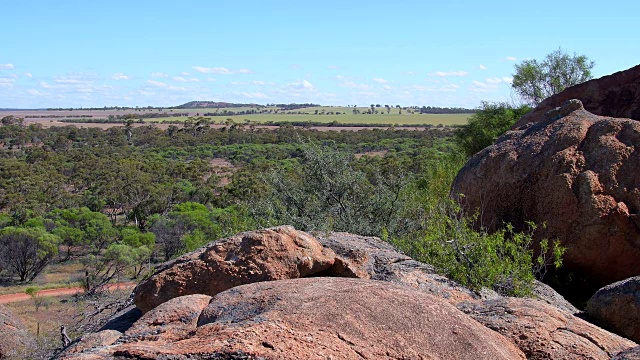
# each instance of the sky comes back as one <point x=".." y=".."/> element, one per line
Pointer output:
<point x="332" y="52"/>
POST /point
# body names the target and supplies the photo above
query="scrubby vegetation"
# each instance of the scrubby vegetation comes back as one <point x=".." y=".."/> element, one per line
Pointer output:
<point x="119" y="200"/>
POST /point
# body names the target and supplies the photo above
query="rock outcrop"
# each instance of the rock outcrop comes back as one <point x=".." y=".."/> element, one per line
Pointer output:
<point x="616" y="307"/>
<point x="13" y="335"/>
<point x="573" y="171"/>
<point x="616" y="95"/>
<point x="368" y="257"/>
<point x="314" y="318"/>
<point x="399" y="308"/>
<point x="542" y="331"/>
<point x="262" y="255"/>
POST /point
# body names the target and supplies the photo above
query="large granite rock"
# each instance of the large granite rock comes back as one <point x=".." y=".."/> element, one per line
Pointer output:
<point x="616" y="307"/>
<point x="368" y="257"/>
<point x="573" y="171"/>
<point x="616" y="95"/>
<point x="314" y="318"/>
<point x="261" y="255"/>
<point x="542" y="331"/>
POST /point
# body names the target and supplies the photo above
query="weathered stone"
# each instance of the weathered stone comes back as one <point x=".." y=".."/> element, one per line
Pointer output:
<point x="631" y="354"/>
<point x="261" y="255"/>
<point x="369" y="257"/>
<point x="616" y="95"/>
<point x="93" y="340"/>
<point x="579" y="176"/>
<point x="616" y="307"/>
<point x="174" y="318"/>
<point x="323" y="318"/>
<point x="542" y="331"/>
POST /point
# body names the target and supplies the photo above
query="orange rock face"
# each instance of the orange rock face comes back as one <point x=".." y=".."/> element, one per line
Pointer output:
<point x="573" y="171"/>
<point x="262" y="255"/>
<point x="317" y="318"/>
<point x="542" y="331"/>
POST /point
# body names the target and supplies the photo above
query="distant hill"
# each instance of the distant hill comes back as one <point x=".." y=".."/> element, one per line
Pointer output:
<point x="218" y="104"/>
<point x="212" y="104"/>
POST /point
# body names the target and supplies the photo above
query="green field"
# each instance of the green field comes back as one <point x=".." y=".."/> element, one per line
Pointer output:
<point x="350" y="118"/>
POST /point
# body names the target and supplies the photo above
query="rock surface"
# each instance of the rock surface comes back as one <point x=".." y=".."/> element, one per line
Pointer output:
<point x="542" y="331"/>
<point x="13" y="335"/>
<point x="261" y="255"/>
<point x="321" y="318"/>
<point x="578" y="174"/>
<point x="616" y="95"/>
<point x="617" y="307"/>
<point x="369" y="257"/>
<point x="630" y="354"/>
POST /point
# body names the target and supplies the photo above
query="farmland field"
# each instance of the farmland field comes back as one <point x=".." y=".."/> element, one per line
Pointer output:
<point x="413" y="119"/>
<point x="346" y="116"/>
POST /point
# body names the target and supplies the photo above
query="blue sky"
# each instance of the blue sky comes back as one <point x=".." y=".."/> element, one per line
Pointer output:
<point x="163" y="53"/>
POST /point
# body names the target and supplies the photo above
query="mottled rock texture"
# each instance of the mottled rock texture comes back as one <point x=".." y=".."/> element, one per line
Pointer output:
<point x="542" y="331"/>
<point x="617" y="307"/>
<point x="573" y="171"/>
<point x="318" y="318"/>
<point x="616" y="95"/>
<point x="261" y="255"/>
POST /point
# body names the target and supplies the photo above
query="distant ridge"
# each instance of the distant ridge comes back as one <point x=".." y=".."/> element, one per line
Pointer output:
<point x="212" y="104"/>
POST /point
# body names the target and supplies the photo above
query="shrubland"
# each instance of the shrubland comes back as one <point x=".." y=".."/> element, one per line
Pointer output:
<point x="118" y="201"/>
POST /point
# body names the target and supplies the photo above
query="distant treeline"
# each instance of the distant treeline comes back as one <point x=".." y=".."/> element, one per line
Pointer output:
<point x="247" y="122"/>
<point x="213" y="104"/>
<point x="440" y="110"/>
<point x="57" y="116"/>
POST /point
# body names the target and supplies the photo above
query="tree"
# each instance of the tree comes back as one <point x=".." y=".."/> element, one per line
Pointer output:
<point x="486" y="125"/>
<point x="536" y="80"/>
<point x="26" y="251"/>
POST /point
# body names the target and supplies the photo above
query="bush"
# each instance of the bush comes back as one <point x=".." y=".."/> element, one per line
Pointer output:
<point x="485" y="126"/>
<point x="502" y="260"/>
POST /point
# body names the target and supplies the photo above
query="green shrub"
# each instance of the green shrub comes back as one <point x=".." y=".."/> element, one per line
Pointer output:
<point x="486" y="125"/>
<point x="502" y="260"/>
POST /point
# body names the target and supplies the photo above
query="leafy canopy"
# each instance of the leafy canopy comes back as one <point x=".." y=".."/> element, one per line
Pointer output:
<point x="536" y="80"/>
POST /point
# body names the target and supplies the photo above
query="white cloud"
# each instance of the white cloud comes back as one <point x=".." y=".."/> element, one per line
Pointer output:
<point x="254" y="95"/>
<point x="387" y="87"/>
<point x="450" y="73"/>
<point x="482" y="67"/>
<point x="182" y="79"/>
<point x="6" y="66"/>
<point x="120" y="76"/>
<point x="6" y="82"/>
<point x="159" y="75"/>
<point x="511" y="58"/>
<point x="34" y="92"/>
<point x="29" y="75"/>
<point x="163" y="85"/>
<point x="380" y="80"/>
<point x="332" y="67"/>
<point x="184" y="73"/>
<point x="257" y="82"/>
<point x="499" y="80"/>
<point x="211" y="79"/>
<point x="302" y="86"/>
<point x="353" y="85"/>
<point x="220" y="70"/>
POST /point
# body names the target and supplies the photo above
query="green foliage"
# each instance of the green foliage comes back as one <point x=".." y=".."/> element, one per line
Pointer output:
<point x="536" y="80"/>
<point x="485" y="126"/>
<point x="26" y="251"/>
<point x="190" y="225"/>
<point x="327" y="192"/>
<point x="503" y="260"/>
